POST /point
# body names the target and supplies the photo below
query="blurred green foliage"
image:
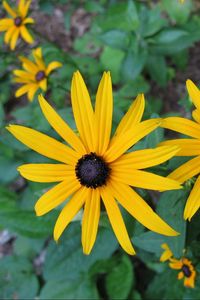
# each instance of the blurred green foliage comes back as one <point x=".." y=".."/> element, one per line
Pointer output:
<point x="142" y="43"/>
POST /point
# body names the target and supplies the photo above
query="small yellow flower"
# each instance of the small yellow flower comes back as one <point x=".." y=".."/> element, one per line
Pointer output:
<point x="94" y="167"/>
<point x="34" y="76"/>
<point x="187" y="270"/>
<point x="167" y="254"/>
<point x="189" y="147"/>
<point x="15" y="26"/>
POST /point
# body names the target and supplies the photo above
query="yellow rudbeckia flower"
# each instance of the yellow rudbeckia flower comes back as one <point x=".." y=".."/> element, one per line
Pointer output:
<point x="34" y="76"/>
<point x="15" y="26"/>
<point x="187" y="270"/>
<point x="94" y="166"/>
<point x="189" y="147"/>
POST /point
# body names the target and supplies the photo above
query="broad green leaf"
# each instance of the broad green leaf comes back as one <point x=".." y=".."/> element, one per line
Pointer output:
<point x="178" y="12"/>
<point x="150" y="242"/>
<point x="115" y="38"/>
<point x="157" y="68"/>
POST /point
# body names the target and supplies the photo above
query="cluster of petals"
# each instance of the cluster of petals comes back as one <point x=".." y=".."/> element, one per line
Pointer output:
<point x="15" y="25"/>
<point x="94" y="127"/>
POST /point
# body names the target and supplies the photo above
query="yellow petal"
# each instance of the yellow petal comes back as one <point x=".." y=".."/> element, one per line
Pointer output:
<point x="133" y="115"/>
<point x="60" y="126"/>
<point x="23" y="90"/>
<point x="116" y="220"/>
<point x="142" y="159"/>
<point x="103" y="113"/>
<point x="21" y="7"/>
<point x="29" y="65"/>
<point x="143" y="179"/>
<point x="43" y="84"/>
<point x="83" y="111"/>
<point x="52" y="66"/>
<point x="120" y="143"/>
<point x="196" y="115"/>
<point x="5" y="24"/>
<point x="193" y="92"/>
<point x="175" y="264"/>
<point x="182" y="125"/>
<point x="26" y="8"/>
<point x="193" y="201"/>
<point x="32" y="91"/>
<point x="37" y="54"/>
<point x="14" y="38"/>
<point x="9" y="9"/>
<point x="187" y="170"/>
<point x="189" y="282"/>
<point x="188" y="147"/>
<point x="26" y="35"/>
<point x="24" y="74"/>
<point x="56" y="195"/>
<point x="180" y="275"/>
<point x="69" y="211"/>
<point x="90" y="220"/>
<point x="9" y="34"/>
<point x="46" y="172"/>
<point x="139" y="209"/>
<point x="22" y="80"/>
<point x="44" y="144"/>
<point x="28" y="21"/>
<point x="167" y="254"/>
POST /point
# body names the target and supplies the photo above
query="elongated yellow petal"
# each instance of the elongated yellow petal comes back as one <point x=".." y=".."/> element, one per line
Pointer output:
<point x="103" y="113"/>
<point x="9" y="9"/>
<point x="43" y="84"/>
<point x="37" y="54"/>
<point x="46" y="172"/>
<point x="196" y="115"/>
<point x="182" y="125"/>
<point x="193" y="201"/>
<point x="143" y="179"/>
<point x="5" y="24"/>
<point x="142" y="159"/>
<point x="26" y="35"/>
<point x="21" y="80"/>
<point x="14" y="38"/>
<point x="23" y="90"/>
<point x="56" y="195"/>
<point x="44" y="144"/>
<point x="69" y="211"/>
<point x="24" y="74"/>
<point x="60" y="126"/>
<point x="167" y="254"/>
<point x="8" y="34"/>
<point x="21" y="7"/>
<point x="176" y="264"/>
<point x="32" y="91"/>
<point x="90" y="220"/>
<point x="26" y="8"/>
<point x="194" y="93"/>
<point x="28" y="65"/>
<point x="139" y="209"/>
<point x="121" y="143"/>
<point x="133" y="115"/>
<point x="188" y="147"/>
<point x="52" y="66"/>
<point x="28" y="21"/>
<point x="116" y="220"/>
<point x="83" y="111"/>
<point x="187" y="170"/>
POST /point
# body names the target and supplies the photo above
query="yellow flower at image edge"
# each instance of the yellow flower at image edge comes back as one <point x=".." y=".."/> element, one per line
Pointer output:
<point x="188" y="147"/>
<point x="96" y="167"/>
<point x="34" y="76"/>
<point x="16" y="25"/>
<point x="187" y="270"/>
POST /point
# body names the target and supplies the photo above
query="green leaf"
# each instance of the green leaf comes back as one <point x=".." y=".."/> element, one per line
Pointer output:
<point x="157" y="68"/>
<point x="115" y="38"/>
<point x="177" y="11"/>
<point x="79" y="288"/>
<point x="150" y="242"/>
<point x="17" y="280"/>
<point x="155" y="137"/>
<point x="67" y="261"/>
<point x="120" y="279"/>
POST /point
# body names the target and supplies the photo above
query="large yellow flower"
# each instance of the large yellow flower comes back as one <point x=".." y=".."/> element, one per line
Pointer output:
<point x="189" y="147"/>
<point x="94" y="167"/>
<point x="187" y="270"/>
<point x="16" y="25"/>
<point x="34" y="76"/>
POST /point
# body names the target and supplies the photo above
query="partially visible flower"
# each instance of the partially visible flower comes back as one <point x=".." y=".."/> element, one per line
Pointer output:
<point x="167" y="254"/>
<point x="189" y="147"/>
<point x="15" y="26"/>
<point x="94" y="167"/>
<point x="35" y="74"/>
<point x="187" y="270"/>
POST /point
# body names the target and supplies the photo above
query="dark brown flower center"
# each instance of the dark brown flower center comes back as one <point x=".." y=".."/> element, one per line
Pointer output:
<point x="92" y="171"/>
<point x="186" y="270"/>
<point x="18" y="21"/>
<point x="40" y="75"/>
